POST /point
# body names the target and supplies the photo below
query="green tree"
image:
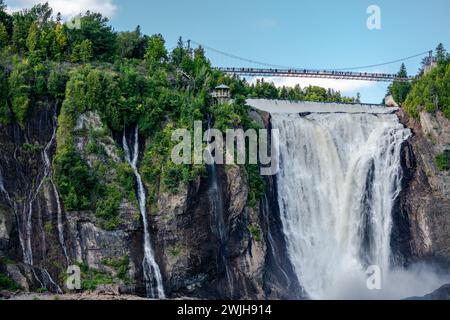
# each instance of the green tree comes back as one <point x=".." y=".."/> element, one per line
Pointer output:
<point x="75" y="180"/>
<point x="95" y="28"/>
<point x="131" y="44"/>
<point x="399" y="90"/>
<point x="441" y="53"/>
<point x="20" y="90"/>
<point x="22" y="26"/>
<point x="60" y="44"/>
<point x="33" y="37"/>
<point x="5" y="113"/>
<point x="57" y="81"/>
<point x="431" y="92"/>
<point x="82" y="52"/>
<point x="156" y="53"/>
<point x="3" y="36"/>
<point x="86" y="51"/>
<point x="94" y="90"/>
<point x="22" y="23"/>
<point x="5" y="18"/>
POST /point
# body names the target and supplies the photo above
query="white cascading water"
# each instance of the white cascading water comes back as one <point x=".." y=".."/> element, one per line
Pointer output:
<point x="152" y="273"/>
<point x="270" y="240"/>
<point x="25" y="236"/>
<point x="217" y="214"/>
<point x="48" y="171"/>
<point x="339" y="176"/>
<point x="27" y="249"/>
<point x="60" y="222"/>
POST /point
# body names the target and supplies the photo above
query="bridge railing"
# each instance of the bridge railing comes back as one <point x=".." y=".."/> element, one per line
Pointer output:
<point x="309" y="73"/>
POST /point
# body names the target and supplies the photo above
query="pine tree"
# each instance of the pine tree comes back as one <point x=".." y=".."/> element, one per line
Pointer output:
<point x="3" y="36"/>
<point x="402" y="73"/>
<point x="33" y="37"/>
<point x="399" y="90"/>
<point x="156" y="52"/>
<point x="86" y="51"/>
<point x="5" y="18"/>
<point x="61" y="39"/>
<point x="441" y="53"/>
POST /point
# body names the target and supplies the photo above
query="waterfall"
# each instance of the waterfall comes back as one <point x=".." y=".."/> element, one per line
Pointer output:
<point x="60" y="222"/>
<point x="152" y="274"/>
<point x="217" y="211"/>
<point x="24" y="220"/>
<point x="269" y="238"/>
<point x="13" y="204"/>
<point x="49" y="173"/>
<point x="339" y="176"/>
<point x="27" y="249"/>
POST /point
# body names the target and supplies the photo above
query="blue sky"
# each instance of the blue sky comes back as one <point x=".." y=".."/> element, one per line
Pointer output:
<point x="307" y="34"/>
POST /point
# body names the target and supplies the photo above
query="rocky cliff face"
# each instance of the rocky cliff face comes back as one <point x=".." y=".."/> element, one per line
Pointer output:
<point x="422" y="212"/>
<point x="39" y="238"/>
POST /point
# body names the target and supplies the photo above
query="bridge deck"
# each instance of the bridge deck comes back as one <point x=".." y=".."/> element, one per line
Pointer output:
<point x="305" y="73"/>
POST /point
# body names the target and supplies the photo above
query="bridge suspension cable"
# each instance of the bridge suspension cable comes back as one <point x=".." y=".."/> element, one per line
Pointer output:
<point x="386" y="63"/>
<point x="290" y="67"/>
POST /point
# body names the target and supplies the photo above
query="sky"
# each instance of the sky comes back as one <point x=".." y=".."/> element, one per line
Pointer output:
<point x="315" y="34"/>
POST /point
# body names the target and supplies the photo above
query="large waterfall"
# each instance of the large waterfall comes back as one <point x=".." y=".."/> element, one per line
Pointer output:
<point x="339" y="176"/>
<point x="152" y="273"/>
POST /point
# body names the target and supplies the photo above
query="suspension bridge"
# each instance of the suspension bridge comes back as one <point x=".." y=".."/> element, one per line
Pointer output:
<point x="306" y="73"/>
<point x="261" y="69"/>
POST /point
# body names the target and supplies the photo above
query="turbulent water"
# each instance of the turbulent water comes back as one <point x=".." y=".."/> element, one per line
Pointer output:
<point x="339" y="176"/>
<point x="152" y="273"/>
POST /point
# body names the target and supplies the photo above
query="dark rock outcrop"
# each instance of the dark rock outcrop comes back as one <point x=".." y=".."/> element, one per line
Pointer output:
<point x="442" y="293"/>
<point x="422" y="212"/>
<point x="183" y="229"/>
<point x="186" y="245"/>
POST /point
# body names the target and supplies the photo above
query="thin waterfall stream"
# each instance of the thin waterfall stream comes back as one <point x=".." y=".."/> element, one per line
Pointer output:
<point x="217" y="211"/>
<point x="24" y="220"/>
<point x="152" y="273"/>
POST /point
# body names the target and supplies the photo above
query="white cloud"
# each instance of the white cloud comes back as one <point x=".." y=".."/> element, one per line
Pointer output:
<point x="344" y="86"/>
<point x="68" y="8"/>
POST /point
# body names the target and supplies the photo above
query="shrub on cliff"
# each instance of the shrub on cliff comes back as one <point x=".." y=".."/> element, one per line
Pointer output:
<point x="431" y="92"/>
<point x="443" y="161"/>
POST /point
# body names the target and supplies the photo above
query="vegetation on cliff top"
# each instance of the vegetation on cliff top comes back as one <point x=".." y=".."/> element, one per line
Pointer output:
<point x="430" y="91"/>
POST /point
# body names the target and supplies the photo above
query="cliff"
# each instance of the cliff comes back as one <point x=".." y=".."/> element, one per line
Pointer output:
<point x="422" y="219"/>
<point x="194" y="260"/>
<point x="208" y="241"/>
